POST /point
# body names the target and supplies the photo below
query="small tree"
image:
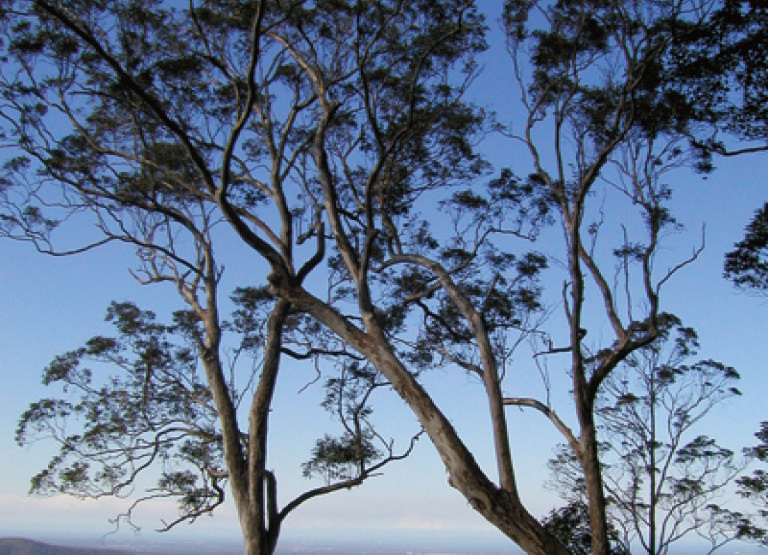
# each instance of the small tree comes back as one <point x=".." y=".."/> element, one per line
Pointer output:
<point x="570" y="524"/>
<point x="663" y="480"/>
<point x="755" y="486"/>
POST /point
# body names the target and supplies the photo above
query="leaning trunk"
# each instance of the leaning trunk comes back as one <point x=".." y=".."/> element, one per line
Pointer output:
<point x="501" y="508"/>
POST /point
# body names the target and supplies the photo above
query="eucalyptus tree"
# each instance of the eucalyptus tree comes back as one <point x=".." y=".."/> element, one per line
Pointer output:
<point x="722" y="66"/>
<point x="329" y="132"/>
<point x="602" y="128"/>
<point x="156" y="123"/>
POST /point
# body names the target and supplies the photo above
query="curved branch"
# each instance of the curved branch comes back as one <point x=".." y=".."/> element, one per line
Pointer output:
<point x="549" y="413"/>
<point x="349" y="483"/>
<point x="314" y="352"/>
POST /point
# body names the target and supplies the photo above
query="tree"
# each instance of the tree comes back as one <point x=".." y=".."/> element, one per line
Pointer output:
<point x="150" y="142"/>
<point x="328" y="132"/>
<point x="662" y="479"/>
<point x="755" y="486"/>
<point x="723" y="66"/>
<point x="597" y="87"/>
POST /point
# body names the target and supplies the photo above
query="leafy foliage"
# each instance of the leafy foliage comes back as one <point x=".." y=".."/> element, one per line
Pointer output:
<point x="340" y="458"/>
<point x="719" y="67"/>
<point x="747" y="264"/>
<point x="130" y="403"/>
<point x="158" y="122"/>
<point x="570" y="524"/>
<point x="327" y="132"/>
<point x="755" y="485"/>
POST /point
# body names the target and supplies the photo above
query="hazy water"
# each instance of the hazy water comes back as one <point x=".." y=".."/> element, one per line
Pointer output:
<point x="212" y="547"/>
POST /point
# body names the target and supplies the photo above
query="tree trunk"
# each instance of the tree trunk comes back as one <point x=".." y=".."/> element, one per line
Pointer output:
<point x="593" y="479"/>
<point x="259" y="519"/>
<point x="501" y="508"/>
<point x="259" y="544"/>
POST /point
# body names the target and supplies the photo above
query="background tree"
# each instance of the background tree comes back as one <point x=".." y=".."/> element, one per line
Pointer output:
<point x="721" y="66"/>
<point x="662" y="479"/>
<point x="570" y="524"/>
<point x="746" y="266"/>
<point x="755" y="486"/>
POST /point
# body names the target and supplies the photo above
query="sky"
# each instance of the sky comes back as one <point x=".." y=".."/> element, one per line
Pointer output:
<point x="51" y="305"/>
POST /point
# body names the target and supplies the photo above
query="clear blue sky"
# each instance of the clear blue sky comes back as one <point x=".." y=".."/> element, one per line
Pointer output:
<point x="48" y="306"/>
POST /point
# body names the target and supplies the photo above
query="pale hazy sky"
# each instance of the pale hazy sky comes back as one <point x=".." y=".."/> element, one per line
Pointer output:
<point x="49" y="306"/>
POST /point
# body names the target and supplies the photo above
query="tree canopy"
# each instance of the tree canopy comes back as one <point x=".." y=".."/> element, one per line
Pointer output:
<point x="325" y="137"/>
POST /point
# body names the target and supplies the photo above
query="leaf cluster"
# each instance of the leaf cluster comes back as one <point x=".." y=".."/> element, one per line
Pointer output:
<point x="747" y="264"/>
<point x="130" y="403"/>
<point x="570" y="524"/>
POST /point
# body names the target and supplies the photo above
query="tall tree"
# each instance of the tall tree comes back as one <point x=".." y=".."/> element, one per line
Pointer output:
<point x="157" y="122"/>
<point x="600" y="122"/>
<point x="330" y="131"/>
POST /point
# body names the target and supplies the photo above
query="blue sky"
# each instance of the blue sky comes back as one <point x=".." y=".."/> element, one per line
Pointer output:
<point x="50" y="305"/>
